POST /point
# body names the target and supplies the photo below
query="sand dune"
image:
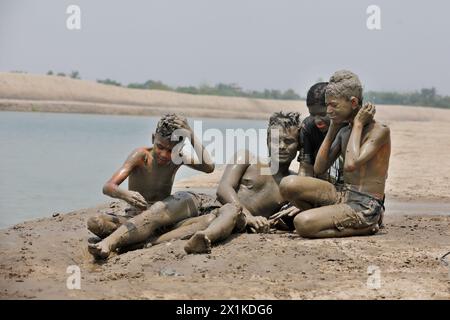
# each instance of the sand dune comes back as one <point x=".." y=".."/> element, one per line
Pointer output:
<point x="28" y="92"/>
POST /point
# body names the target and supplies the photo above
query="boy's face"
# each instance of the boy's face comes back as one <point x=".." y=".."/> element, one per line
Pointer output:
<point x="321" y="119"/>
<point x="288" y="144"/>
<point x="162" y="149"/>
<point x="340" y="109"/>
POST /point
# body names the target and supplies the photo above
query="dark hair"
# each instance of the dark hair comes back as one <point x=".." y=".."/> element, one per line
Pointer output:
<point x="316" y="95"/>
<point x="166" y="125"/>
<point x="284" y="120"/>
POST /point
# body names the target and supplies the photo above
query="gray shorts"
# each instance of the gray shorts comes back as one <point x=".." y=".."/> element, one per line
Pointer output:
<point x="365" y="210"/>
<point x="204" y="203"/>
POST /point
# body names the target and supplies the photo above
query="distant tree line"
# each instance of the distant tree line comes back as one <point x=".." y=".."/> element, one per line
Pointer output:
<point x="74" y="74"/>
<point x="424" y="97"/>
<point x="427" y="97"/>
<point x="220" y="89"/>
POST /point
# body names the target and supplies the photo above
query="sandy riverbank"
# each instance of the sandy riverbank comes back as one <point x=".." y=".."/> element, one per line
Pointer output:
<point x="35" y="256"/>
<point x="41" y="93"/>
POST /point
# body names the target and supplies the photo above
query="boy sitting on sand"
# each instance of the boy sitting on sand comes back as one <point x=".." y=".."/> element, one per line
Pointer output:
<point x="312" y="133"/>
<point x="365" y="145"/>
<point x="151" y="173"/>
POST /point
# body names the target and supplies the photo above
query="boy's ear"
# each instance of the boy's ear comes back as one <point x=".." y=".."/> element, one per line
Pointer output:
<point x="355" y="102"/>
<point x="153" y="138"/>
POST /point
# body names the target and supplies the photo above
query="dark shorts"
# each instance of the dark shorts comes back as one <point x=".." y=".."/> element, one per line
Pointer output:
<point x="365" y="210"/>
<point x="201" y="203"/>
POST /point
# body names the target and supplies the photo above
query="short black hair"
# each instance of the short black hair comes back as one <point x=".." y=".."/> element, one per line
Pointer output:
<point x="166" y="125"/>
<point x="316" y="95"/>
<point x="284" y="120"/>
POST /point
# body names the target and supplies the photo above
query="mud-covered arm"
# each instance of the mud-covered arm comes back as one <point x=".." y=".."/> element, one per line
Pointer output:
<point x="329" y="149"/>
<point x="205" y="163"/>
<point x="358" y="154"/>
<point x="305" y="158"/>
<point x="229" y="186"/>
<point x="112" y="189"/>
<point x="231" y="178"/>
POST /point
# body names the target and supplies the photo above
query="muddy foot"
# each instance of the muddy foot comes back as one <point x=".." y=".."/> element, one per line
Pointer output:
<point x="199" y="243"/>
<point x="99" y="250"/>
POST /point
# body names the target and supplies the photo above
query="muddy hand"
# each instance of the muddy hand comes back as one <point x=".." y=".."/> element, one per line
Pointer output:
<point x="289" y="212"/>
<point x="365" y="114"/>
<point x="182" y="124"/>
<point x="136" y="199"/>
<point x="258" y="224"/>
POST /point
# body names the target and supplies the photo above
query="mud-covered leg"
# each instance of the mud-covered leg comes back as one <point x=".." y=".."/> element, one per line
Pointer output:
<point x="305" y="192"/>
<point x="323" y="222"/>
<point x="186" y="229"/>
<point x="220" y="228"/>
<point x="138" y="229"/>
<point x="103" y="225"/>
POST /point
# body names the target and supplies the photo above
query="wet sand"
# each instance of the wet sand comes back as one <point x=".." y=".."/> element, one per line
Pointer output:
<point x="35" y="256"/>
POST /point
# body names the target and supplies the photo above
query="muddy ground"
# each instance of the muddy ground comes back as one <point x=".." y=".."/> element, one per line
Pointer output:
<point x="406" y="254"/>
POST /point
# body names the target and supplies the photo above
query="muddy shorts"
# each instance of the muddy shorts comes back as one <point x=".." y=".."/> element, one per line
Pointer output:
<point x="365" y="210"/>
<point x="204" y="203"/>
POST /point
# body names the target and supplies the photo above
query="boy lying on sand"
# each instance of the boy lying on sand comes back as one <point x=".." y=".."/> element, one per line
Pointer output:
<point x="244" y="186"/>
<point x="365" y="145"/>
<point x="151" y="173"/>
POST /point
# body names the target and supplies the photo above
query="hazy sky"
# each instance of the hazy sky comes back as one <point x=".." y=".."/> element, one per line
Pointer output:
<point x="259" y="44"/>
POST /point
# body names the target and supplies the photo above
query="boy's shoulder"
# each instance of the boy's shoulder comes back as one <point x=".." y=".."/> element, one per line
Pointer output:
<point x="140" y="155"/>
<point x="308" y="124"/>
<point x="382" y="128"/>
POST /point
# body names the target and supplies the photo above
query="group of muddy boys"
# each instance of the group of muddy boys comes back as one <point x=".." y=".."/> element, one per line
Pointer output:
<point x="340" y="132"/>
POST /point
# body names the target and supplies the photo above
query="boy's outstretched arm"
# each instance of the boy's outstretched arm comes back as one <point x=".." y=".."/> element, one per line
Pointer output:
<point x="205" y="163"/>
<point x="358" y="154"/>
<point x="112" y="189"/>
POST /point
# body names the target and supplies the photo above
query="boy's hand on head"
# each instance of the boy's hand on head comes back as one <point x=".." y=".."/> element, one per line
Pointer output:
<point x="365" y="114"/>
<point x="182" y="124"/>
<point x="135" y="199"/>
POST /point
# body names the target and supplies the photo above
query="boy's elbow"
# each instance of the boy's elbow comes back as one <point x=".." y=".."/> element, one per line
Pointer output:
<point x="107" y="189"/>
<point x="350" y="166"/>
<point x="318" y="169"/>
<point x="219" y="195"/>
<point x="210" y="168"/>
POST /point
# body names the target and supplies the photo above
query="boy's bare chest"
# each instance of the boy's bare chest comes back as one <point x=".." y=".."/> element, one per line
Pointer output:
<point x="365" y="136"/>
<point x="146" y="174"/>
<point x="258" y="185"/>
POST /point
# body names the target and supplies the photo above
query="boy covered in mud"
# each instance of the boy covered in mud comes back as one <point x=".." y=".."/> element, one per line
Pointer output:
<point x="313" y="129"/>
<point x="151" y="173"/>
<point x="244" y="186"/>
<point x="365" y="145"/>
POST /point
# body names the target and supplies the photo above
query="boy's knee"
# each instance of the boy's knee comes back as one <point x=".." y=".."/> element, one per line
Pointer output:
<point x="96" y="226"/>
<point x="288" y="187"/>
<point x="303" y="225"/>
